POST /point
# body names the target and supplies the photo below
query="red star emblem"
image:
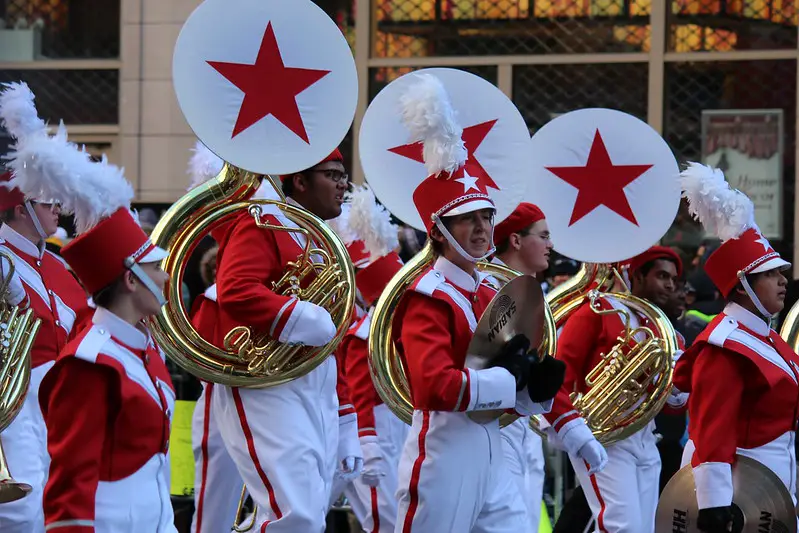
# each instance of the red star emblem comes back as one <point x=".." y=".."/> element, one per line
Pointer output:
<point x="269" y="87"/>
<point x="473" y="137"/>
<point x="600" y="182"/>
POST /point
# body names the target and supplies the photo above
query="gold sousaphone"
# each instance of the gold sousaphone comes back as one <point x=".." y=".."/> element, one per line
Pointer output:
<point x="322" y="274"/>
<point x="631" y="384"/>
<point x="18" y="330"/>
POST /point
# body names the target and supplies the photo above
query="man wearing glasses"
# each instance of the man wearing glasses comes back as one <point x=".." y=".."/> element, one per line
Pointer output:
<point x="42" y="282"/>
<point x="287" y="441"/>
<point x="523" y="244"/>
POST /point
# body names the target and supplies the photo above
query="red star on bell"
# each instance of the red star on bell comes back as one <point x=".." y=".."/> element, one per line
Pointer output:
<point x="600" y="182"/>
<point x="473" y="137"/>
<point x="269" y="87"/>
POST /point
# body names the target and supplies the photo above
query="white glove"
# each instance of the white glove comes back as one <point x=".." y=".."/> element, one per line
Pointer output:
<point x="593" y="453"/>
<point x="374" y="464"/>
<point x="16" y="291"/>
<point x="677" y="399"/>
<point x="350" y="456"/>
<point x="309" y="325"/>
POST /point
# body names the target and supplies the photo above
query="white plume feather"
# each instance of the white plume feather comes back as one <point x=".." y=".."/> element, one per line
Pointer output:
<point x="341" y="224"/>
<point x="723" y="211"/>
<point x="428" y="114"/>
<point x="203" y="165"/>
<point x="18" y="113"/>
<point x="372" y="223"/>
<point x="51" y="168"/>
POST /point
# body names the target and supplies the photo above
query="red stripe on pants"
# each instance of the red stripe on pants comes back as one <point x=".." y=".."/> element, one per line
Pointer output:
<point x="204" y="453"/>
<point x="600" y="519"/>
<point x="375" y="512"/>
<point x="245" y="428"/>
<point x="415" y="473"/>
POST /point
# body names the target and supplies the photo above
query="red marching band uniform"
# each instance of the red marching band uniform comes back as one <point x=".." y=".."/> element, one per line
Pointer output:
<point x="740" y="374"/>
<point x="43" y="283"/>
<point x="107" y="401"/>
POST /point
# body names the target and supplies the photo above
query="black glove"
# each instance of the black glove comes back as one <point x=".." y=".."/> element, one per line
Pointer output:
<point x="546" y="378"/>
<point x="514" y="358"/>
<point x="715" y="520"/>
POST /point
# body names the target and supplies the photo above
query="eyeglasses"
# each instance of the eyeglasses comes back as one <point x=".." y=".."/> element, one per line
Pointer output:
<point x="333" y="175"/>
<point x="544" y="235"/>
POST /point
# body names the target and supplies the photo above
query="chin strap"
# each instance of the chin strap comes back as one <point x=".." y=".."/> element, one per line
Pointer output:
<point x="458" y="248"/>
<point x="753" y="297"/>
<point x="139" y="272"/>
<point x="36" y="223"/>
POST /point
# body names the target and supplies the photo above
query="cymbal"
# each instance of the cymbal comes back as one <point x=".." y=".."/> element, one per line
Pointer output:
<point x="517" y="308"/>
<point x="761" y="502"/>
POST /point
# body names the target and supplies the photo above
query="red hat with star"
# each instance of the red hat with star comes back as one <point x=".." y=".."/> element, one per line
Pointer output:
<point x="255" y="94"/>
<point x="440" y="142"/>
<point x="607" y="181"/>
<point x="653" y="253"/>
<point x="10" y="196"/>
<point x="729" y="215"/>
<point x="524" y="216"/>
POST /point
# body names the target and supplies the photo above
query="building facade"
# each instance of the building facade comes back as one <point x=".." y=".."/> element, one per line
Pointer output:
<point x="717" y="78"/>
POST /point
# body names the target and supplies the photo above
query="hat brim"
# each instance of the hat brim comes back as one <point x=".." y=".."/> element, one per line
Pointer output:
<point x="771" y="264"/>
<point x="154" y="255"/>
<point x="469" y="207"/>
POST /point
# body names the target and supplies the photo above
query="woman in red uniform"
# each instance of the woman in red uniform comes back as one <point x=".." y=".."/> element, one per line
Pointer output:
<point x="452" y="475"/>
<point x="741" y="376"/>
<point x="108" y="401"/>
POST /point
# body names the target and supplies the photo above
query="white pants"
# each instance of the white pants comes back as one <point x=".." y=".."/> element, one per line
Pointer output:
<point x="217" y="483"/>
<point x="524" y="456"/>
<point x="284" y="441"/>
<point x="624" y="496"/>
<point x="25" y="446"/>
<point x="453" y="478"/>
<point x="376" y="507"/>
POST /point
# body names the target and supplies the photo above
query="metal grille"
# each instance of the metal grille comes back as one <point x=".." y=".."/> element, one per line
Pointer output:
<point x="718" y="25"/>
<point x="74" y="96"/>
<point x="693" y="87"/>
<point x="33" y="30"/>
<point x="380" y="77"/>
<point x="409" y="28"/>
<point x="543" y="91"/>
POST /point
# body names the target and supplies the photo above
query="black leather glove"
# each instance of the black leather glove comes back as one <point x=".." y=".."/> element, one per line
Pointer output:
<point x="514" y="359"/>
<point x="715" y="520"/>
<point x="546" y="378"/>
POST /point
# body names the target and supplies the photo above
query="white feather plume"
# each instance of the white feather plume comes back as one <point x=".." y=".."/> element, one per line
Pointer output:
<point x="372" y="223"/>
<point x="428" y="114"/>
<point x="52" y="168"/>
<point x="341" y="224"/>
<point x="203" y="165"/>
<point x="723" y="211"/>
<point x="18" y="113"/>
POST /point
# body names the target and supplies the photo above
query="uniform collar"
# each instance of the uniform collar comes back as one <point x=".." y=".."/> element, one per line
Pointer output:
<point x="497" y="261"/>
<point x="23" y="244"/>
<point x="747" y="318"/>
<point x="119" y="329"/>
<point x="457" y="276"/>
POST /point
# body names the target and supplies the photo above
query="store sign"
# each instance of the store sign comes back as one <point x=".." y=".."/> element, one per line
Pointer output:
<point x="747" y="145"/>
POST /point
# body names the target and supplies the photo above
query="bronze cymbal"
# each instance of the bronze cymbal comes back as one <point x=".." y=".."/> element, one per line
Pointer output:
<point x="761" y="502"/>
<point x="517" y="308"/>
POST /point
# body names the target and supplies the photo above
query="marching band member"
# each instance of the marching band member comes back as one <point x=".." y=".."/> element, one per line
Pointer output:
<point x="523" y="244"/>
<point x="108" y="400"/>
<point x="381" y="433"/>
<point x="741" y="375"/>
<point x="451" y="474"/>
<point x="41" y="281"/>
<point x="283" y="439"/>
<point x="621" y="483"/>
<point x="214" y="510"/>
